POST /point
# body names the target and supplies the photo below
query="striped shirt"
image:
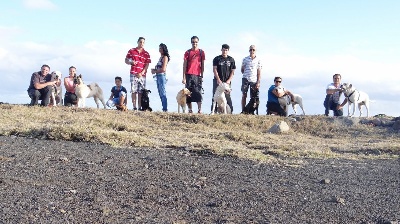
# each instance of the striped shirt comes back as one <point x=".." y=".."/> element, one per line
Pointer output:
<point x="250" y="68"/>
<point x="141" y="58"/>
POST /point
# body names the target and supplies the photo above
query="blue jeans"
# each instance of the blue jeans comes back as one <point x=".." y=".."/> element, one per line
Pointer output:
<point x="161" y="81"/>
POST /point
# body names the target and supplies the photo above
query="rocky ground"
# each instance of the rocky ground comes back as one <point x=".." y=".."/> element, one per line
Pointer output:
<point x="44" y="181"/>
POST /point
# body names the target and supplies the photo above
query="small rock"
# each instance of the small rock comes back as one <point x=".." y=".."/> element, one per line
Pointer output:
<point x="63" y="211"/>
<point x="377" y="122"/>
<point x="338" y="200"/>
<point x="64" y="159"/>
<point x="203" y="178"/>
<point x="325" y="181"/>
<point x="396" y="125"/>
<point x="279" y="128"/>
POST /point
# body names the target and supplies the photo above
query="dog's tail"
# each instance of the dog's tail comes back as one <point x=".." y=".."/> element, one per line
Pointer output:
<point x="98" y="88"/>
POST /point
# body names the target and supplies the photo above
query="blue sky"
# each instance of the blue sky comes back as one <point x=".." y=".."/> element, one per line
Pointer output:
<point x="305" y="42"/>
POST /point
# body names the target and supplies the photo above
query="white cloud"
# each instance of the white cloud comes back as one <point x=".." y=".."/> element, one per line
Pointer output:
<point x="39" y="4"/>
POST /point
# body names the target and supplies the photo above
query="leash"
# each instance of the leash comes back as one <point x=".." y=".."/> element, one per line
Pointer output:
<point x="348" y="97"/>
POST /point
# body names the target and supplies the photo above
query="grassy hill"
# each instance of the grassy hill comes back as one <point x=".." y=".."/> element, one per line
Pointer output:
<point x="243" y="136"/>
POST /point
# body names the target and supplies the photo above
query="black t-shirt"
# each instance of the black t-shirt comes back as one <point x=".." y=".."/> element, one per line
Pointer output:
<point x="224" y="66"/>
<point x="38" y="78"/>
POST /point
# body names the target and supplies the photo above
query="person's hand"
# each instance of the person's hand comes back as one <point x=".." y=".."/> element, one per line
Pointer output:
<point x="339" y="107"/>
<point x="257" y="85"/>
<point x="183" y="81"/>
<point x="219" y="81"/>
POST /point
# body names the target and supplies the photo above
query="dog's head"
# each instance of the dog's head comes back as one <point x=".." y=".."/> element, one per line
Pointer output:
<point x="78" y="79"/>
<point x="225" y="87"/>
<point x="56" y="75"/>
<point x="347" y="88"/>
<point x="186" y="92"/>
<point x="145" y="93"/>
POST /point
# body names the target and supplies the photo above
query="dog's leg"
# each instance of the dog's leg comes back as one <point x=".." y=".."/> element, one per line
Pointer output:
<point x="359" y="108"/>
<point x="354" y="109"/>
<point x="348" y="109"/>
<point x="294" y="108"/>
<point x="213" y="107"/>
<point x="301" y="106"/>
<point x="96" y="100"/>
<point x="102" y="101"/>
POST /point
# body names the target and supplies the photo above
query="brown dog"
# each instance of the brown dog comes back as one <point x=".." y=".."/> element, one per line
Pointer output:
<point x="181" y="99"/>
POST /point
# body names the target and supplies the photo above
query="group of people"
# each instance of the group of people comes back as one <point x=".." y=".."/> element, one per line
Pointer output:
<point x="193" y="70"/>
<point x="224" y="67"/>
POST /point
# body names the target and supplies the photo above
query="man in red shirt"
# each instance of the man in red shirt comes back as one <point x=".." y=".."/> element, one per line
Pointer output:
<point x="193" y="69"/>
<point x="139" y="60"/>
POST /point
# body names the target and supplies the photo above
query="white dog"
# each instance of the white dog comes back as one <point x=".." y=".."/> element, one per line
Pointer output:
<point x="220" y="99"/>
<point x="287" y="100"/>
<point x="56" y="90"/>
<point x="354" y="96"/>
<point x="181" y="99"/>
<point x="297" y="100"/>
<point x="83" y="91"/>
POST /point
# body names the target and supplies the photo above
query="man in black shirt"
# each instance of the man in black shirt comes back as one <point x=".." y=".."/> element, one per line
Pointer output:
<point x="40" y="86"/>
<point x="224" y="69"/>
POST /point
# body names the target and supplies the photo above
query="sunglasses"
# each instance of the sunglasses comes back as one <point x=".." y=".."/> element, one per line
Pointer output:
<point x="278" y="81"/>
<point x="252" y="50"/>
<point x="194" y="42"/>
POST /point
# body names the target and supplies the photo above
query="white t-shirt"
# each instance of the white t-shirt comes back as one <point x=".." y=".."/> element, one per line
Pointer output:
<point x="335" y="95"/>
<point x="250" y="68"/>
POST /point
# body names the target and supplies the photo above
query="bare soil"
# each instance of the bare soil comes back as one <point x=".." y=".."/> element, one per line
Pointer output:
<point x="45" y="181"/>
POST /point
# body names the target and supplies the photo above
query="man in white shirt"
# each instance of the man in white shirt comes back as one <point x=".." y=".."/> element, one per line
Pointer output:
<point x="333" y="93"/>
<point x="251" y="70"/>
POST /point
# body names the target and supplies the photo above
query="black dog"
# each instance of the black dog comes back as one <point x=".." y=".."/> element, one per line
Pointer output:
<point x="145" y="100"/>
<point x="252" y="106"/>
<point x="196" y="92"/>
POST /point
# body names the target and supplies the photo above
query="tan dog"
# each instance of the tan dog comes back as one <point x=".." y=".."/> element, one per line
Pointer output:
<point x="181" y="99"/>
<point x="83" y="91"/>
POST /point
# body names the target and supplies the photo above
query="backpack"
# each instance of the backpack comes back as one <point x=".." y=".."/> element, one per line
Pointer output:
<point x="200" y="51"/>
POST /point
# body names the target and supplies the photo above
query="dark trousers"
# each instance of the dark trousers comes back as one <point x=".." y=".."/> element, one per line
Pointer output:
<point x="40" y="94"/>
<point x="330" y="105"/>
<point x="227" y="96"/>
<point x="275" y="107"/>
<point x="70" y="99"/>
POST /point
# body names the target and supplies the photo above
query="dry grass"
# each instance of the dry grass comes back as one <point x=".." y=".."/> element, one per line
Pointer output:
<point x="242" y="136"/>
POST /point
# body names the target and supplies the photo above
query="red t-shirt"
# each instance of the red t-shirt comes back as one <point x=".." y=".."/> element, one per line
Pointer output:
<point x="194" y="59"/>
<point x="141" y="58"/>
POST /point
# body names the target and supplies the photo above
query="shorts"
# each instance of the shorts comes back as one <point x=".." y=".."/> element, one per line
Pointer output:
<point x="246" y="85"/>
<point x="194" y="83"/>
<point x="137" y="84"/>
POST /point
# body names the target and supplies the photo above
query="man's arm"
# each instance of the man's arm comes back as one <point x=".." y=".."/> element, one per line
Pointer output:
<point x="216" y="75"/>
<point x="43" y="85"/>
<point x="144" y="71"/>
<point x="332" y="91"/>
<point x="258" y="78"/>
<point x="230" y="76"/>
<point x="184" y="71"/>
<point x="342" y="105"/>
